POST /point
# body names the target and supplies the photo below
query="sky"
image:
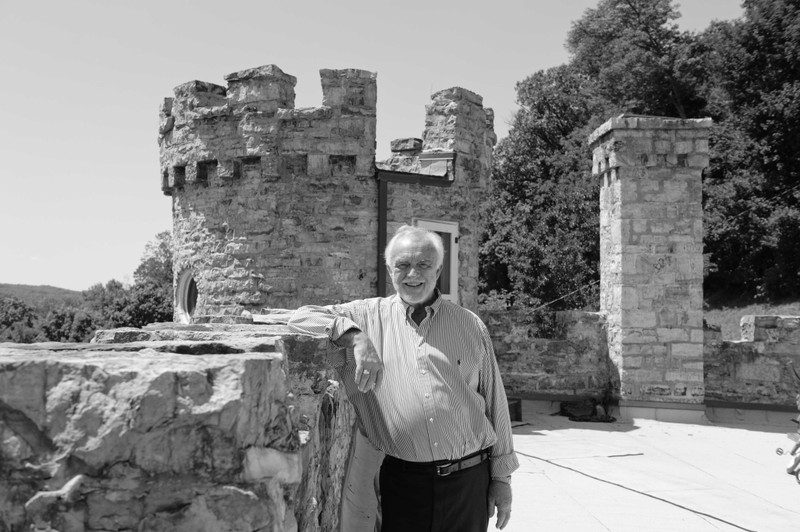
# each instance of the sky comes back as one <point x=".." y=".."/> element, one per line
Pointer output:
<point x="82" y="81"/>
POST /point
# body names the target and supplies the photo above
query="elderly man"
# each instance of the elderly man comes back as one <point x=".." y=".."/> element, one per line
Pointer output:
<point x="425" y="385"/>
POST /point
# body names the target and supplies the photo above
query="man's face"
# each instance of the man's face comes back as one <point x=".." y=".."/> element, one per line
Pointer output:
<point x="414" y="270"/>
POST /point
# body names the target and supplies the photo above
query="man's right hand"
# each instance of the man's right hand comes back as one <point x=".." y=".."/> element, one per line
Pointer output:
<point x="369" y="367"/>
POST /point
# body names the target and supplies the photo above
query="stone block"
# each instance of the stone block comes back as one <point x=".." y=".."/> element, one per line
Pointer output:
<point x="406" y="145"/>
<point x="686" y="350"/>
<point x="698" y="160"/>
<point x="672" y="335"/>
<point x="684" y="376"/>
<point x="639" y="319"/>
<point x="318" y="164"/>
<point x="759" y="372"/>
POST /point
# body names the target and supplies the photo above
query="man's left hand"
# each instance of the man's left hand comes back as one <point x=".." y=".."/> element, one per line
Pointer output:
<point x="500" y="497"/>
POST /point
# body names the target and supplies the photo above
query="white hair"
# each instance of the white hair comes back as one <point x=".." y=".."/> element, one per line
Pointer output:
<point x="414" y="232"/>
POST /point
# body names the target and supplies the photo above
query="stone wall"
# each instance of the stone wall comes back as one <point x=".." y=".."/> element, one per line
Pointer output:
<point x="572" y="362"/>
<point x="759" y="368"/>
<point x="193" y="428"/>
<point x="267" y="198"/>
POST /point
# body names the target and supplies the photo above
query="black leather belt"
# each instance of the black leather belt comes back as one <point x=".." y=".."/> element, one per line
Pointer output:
<point x="441" y="468"/>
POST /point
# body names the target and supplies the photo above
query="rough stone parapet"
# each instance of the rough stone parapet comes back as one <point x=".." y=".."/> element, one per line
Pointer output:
<point x="572" y="361"/>
<point x="760" y="368"/>
<point x="202" y="428"/>
<point x="772" y="329"/>
<point x="350" y="88"/>
<point x="264" y="89"/>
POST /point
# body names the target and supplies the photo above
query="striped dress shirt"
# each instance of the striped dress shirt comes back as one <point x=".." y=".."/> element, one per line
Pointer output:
<point x="441" y="397"/>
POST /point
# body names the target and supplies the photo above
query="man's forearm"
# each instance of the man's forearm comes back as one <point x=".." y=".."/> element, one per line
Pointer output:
<point x="318" y="320"/>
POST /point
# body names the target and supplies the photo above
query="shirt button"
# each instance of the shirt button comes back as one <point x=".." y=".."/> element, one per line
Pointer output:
<point x="427" y="396"/>
<point x="423" y="371"/>
<point x="436" y="444"/>
<point x="431" y="420"/>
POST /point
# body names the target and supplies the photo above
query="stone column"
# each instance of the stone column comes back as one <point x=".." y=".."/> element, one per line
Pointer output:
<point x="651" y="255"/>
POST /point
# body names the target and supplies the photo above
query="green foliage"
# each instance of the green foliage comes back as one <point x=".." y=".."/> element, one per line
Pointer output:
<point x="17" y="320"/>
<point x="629" y="56"/>
<point x="149" y="301"/>
<point x="156" y="265"/>
<point x="542" y="215"/>
<point x="638" y="58"/>
<point x="68" y="325"/>
<point x="752" y="188"/>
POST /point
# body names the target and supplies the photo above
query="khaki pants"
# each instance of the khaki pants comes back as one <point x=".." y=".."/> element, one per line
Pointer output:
<point x="361" y="498"/>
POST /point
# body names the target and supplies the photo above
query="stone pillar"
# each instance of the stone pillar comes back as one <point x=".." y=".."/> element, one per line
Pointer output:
<point x="651" y="255"/>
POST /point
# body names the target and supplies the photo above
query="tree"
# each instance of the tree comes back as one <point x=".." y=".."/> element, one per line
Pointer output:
<point x="156" y="262"/>
<point x="542" y="215"/>
<point x="149" y="300"/>
<point x="68" y="324"/>
<point x="639" y="59"/>
<point x="17" y="321"/>
<point x="107" y="304"/>
<point x="752" y="188"/>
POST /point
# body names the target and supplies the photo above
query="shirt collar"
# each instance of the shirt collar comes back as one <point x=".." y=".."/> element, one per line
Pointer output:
<point x="437" y="302"/>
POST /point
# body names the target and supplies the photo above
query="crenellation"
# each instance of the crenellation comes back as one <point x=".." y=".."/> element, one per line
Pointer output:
<point x="262" y="89"/>
<point x="351" y="89"/>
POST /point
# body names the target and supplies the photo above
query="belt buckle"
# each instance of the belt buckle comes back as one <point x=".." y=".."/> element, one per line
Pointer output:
<point x="442" y="470"/>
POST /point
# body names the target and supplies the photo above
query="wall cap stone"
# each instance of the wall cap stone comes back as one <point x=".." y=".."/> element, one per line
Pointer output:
<point x="631" y="121"/>
<point x="270" y="72"/>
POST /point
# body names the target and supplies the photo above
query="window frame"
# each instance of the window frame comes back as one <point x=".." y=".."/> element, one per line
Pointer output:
<point x="451" y="261"/>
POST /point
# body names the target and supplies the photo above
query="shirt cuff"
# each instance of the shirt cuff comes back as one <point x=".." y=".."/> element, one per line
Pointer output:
<point x="339" y="326"/>
<point x="503" y="465"/>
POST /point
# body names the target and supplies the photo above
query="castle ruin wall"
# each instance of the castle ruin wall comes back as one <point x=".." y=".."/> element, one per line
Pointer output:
<point x="273" y="206"/>
<point x="759" y="369"/>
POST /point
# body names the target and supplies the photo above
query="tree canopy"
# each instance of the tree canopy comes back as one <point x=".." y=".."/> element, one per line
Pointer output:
<point x="630" y="56"/>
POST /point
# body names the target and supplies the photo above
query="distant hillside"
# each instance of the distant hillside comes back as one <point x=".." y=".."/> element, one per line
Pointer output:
<point x="42" y="296"/>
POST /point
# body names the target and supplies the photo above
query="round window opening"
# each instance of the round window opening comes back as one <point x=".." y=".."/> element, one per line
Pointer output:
<point x="187" y="297"/>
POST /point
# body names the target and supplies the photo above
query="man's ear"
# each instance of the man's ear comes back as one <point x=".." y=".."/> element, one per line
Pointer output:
<point x="439" y="270"/>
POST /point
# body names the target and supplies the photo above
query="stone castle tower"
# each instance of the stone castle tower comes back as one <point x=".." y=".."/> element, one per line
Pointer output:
<point x="276" y="207"/>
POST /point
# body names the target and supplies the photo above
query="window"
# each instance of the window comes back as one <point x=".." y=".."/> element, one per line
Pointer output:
<point x="180" y="175"/>
<point x="448" y="280"/>
<point x="206" y="170"/>
<point x="186" y="297"/>
<point x="248" y="167"/>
